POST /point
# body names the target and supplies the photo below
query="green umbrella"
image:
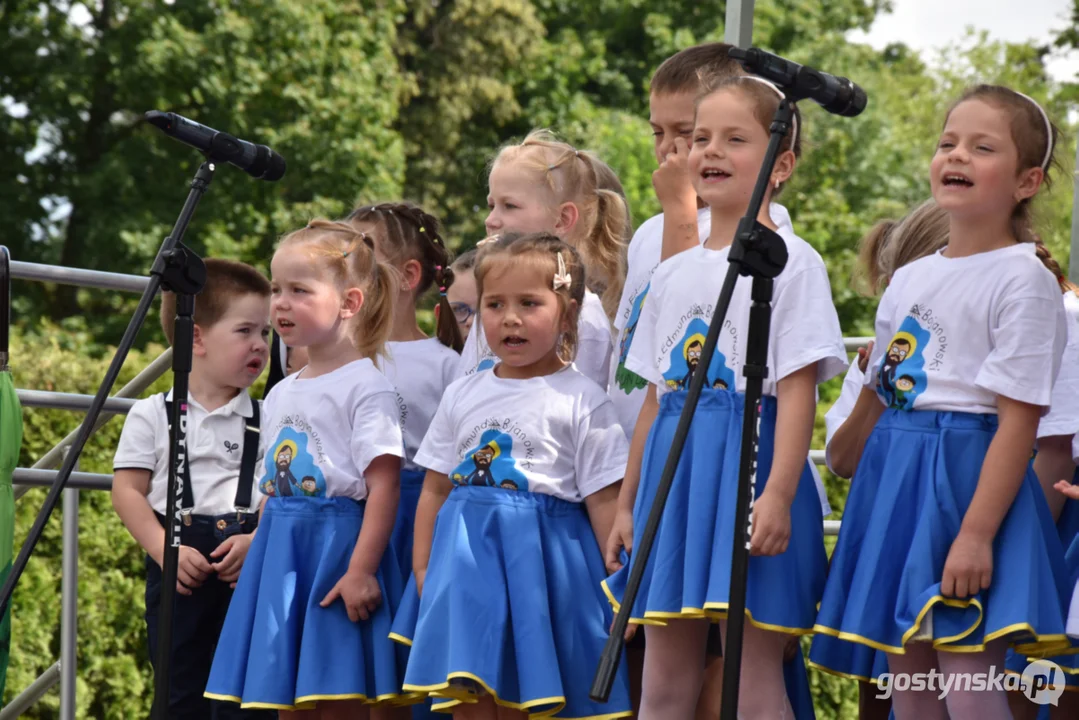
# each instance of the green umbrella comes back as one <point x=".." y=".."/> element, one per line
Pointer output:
<point x="10" y="440"/>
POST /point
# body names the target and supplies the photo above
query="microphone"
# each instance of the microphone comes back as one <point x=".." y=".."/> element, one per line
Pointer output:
<point x="257" y="161"/>
<point x="837" y="95"/>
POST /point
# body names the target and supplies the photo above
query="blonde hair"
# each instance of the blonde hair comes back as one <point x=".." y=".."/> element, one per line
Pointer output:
<point x="601" y="235"/>
<point x="891" y="244"/>
<point x="348" y="256"/>
<point x="541" y="250"/>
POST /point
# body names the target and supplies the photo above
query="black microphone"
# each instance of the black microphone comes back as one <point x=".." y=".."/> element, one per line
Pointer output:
<point x="837" y="95"/>
<point x="256" y="160"/>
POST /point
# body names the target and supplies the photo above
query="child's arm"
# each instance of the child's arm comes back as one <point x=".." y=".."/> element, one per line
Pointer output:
<point x="130" y="487"/>
<point x="621" y="535"/>
<point x="676" y="195"/>
<point x="1066" y="487"/>
<point x="969" y="567"/>
<point x="602" y="506"/>
<point x="436" y="488"/>
<point x="1054" y="464"/>
<point x="847" y="444"/>
<point x="358" y="588"/>
<point x="796" y="405"/>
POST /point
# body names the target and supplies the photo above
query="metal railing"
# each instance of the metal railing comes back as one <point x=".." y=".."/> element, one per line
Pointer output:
<point x="43" y="473"/>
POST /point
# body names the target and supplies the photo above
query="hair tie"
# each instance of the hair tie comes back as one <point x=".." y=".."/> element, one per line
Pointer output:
<point x="562" y="278"/>
<point x="1048" y="129"/>
<point x="794" y="118"/>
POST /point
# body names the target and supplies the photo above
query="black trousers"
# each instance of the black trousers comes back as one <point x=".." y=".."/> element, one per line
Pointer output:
<point x="197" y="621"/>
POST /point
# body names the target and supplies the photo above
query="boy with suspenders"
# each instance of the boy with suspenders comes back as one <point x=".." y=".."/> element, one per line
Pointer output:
<point x="219" y="480"/>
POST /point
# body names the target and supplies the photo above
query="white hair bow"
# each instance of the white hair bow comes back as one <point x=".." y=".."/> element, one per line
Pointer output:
<point x="562" y="278"/>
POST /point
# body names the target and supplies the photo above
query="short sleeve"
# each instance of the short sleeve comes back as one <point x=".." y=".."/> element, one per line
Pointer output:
<point x="841" y="410"/>
<point x="602" y="450"/>
<point x="594" y="356"/>
<point x="470" y="353"/>
<point x="436" y="451"/>
<point x="1063" y="417"/>
<point x="1028" y="335"/>
<point x="641" y="358"/>
<point x="376" y="429"/>
<point x="138" y="444"/>
<point x="806" y="327"/>
<point x="884" y="328"/>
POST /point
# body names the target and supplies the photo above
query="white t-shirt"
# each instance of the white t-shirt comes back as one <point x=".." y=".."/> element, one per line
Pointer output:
<point x="1063" y="415"/>
<point x="674" y="321"/>
<point x="215" y="444"/>
<point x="953" y="333"/>
<point x="841" y="410"/>
<point x="627" y="388"/>
<point x="594" y="344"/>
<point x="421" y="370"/>
<point x="556" y="435"/>
<point x="320" y="434"/>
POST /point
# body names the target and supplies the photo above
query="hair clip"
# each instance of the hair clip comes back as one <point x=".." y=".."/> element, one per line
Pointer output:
<point x="562" y="279"/>
<point x="346" y="253"/>
<point x="423" y="229"/>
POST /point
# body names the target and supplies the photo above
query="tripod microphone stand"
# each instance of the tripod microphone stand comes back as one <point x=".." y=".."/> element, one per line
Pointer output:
<point x="761" y="254"/>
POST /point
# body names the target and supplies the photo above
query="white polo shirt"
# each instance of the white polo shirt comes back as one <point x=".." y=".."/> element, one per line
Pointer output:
<point x="215" y="443"/>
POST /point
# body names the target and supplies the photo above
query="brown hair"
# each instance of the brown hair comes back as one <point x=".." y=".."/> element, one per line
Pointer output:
<point x="226" y="281"/>
<point x="349" y="257"/>
<point x="891" y="244"/>
<point x="765" y="99"/>
<point x="465" y="261"/>
<point x="541" y="249"/>
<point x="1031" y="137"/>
<point x="603" y="229"/>
<point x="687" y="69"/>
<point x="1050" y="262"/>
<point x="413" y="234"/>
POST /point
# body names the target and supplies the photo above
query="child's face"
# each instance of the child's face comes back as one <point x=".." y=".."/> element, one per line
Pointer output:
<point x="522" y="319"/>
<point x="517" y="203"/>
<point x="975" y="168"/>
<point x="728" y="150"/>
<point x="296" y="359"/>
<point x="235" y="348"/>
<point x="462" y="295"/>
<point x="306" y="308"/>
<point x="671" y="116"/>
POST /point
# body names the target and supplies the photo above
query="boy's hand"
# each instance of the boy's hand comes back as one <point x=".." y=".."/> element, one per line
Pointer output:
<point x="359" y="592"/>
<point x="232" y="553"/>
<point x="192" y="571"/>
<point x="1068" y="489"/>
<point x="672" y="181"/>
<point x="863" y="356"/>
<point x="771" y="525"/>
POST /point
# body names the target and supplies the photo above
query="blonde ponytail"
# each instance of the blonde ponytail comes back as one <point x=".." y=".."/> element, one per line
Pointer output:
<point x="605" y="251"/>
<point x="375" y="322"/>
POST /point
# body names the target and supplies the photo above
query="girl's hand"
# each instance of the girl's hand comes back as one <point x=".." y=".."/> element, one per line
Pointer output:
<point x="969" y="567"/>
<point x="421" y="575"/>
<point x="232" y="551"/>
<point x="621" y="538"/>
<point x="1068" y="489"/>
<point x="360" y="593"/>
<point x="771" y="525"/>
<point x="863" y="356"/>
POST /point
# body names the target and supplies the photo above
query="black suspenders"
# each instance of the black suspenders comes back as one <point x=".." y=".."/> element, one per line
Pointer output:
<point x="247" y="464"/>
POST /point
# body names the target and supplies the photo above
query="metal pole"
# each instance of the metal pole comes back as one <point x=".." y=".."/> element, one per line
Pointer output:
<point x="78" y="277"/>
<point x="31" y="694"/>
<point x="738" y="30"/>
<point x="69" y="612"/>
<point x="1073" y="261"/>
<point x="70" y="401"/>
<point x="136" y="387"/>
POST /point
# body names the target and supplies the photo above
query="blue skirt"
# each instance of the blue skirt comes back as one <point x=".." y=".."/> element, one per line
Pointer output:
<point x="511" y="608"/>
<point x="915" y="481"/>
<point x="688" y="574"/>
<point x="401" y="540"/>
<point x="278" y="648"/>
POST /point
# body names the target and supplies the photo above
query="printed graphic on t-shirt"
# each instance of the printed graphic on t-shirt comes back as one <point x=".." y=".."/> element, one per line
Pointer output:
<point x="902" y="375"/>
<point x="491" y="464"/>
<point x="627" y="380"/>
<point x="686" y="356"/>
<point x="485" y="364"/>
<point x="291" y="469"/>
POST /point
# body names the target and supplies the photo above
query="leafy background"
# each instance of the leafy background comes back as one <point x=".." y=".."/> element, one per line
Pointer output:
<point x="372" y="100"/>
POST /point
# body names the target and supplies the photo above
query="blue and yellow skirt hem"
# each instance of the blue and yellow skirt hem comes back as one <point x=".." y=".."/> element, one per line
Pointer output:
<point x="494" y="550"/>
<point x="688" y="573"/>
<point x="916" y="478"/>
<point x="279" y="649"/>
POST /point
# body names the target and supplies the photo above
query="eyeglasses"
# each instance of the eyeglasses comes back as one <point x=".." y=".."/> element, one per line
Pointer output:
<point x="462" y="312"/>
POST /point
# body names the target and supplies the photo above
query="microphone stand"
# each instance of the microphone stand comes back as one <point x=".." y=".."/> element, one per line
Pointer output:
<point x="180" y="270"/>
<point x="761" y="254"/>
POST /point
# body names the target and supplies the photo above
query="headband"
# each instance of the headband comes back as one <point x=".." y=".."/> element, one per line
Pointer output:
<point x="1048" y="129"/>
<point x="794" y="118"/>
